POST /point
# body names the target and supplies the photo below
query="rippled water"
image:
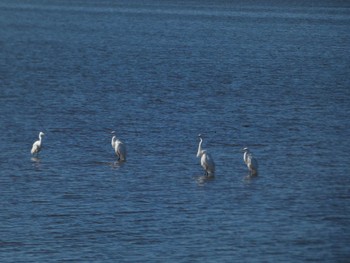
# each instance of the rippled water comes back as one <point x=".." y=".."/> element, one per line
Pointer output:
<point x="269" y="76"/>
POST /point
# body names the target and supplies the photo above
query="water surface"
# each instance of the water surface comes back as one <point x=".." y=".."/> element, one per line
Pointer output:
<point x="273" y="77"/>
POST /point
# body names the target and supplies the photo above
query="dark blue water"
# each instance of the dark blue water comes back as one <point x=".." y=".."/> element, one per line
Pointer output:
<point x="270" y="76"/>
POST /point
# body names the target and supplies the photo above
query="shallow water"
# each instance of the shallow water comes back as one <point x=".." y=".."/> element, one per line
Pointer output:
<point x="268" y="76"/>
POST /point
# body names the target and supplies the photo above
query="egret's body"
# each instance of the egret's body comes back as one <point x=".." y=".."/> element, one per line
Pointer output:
<point x="251" y="162"/>
<point x="207" y="162"/>
<point x="119" y="148"/>
<point x="37" y="145"/>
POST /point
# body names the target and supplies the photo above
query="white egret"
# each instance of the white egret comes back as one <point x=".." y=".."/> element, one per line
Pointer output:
<point x="37" y="145"/>
<point x="250" y="161"/>
<point x="119" y="148"/>
<point x="207" y="161"/>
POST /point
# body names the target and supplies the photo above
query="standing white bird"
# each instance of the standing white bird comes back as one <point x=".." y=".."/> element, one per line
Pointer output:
<point x="119" y="148"/>
<point x="207" y="161"/>
<point x="37" y="145"/>
<point x="250" y="161"/>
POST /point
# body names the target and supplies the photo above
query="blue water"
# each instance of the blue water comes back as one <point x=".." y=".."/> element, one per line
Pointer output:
<point x="270" y="76"/>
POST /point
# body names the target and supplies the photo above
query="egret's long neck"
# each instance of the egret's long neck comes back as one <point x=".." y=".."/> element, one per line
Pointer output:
<point x="245" y="156"/>
<point x="113" y="141"/>
<point x="40" y="137"/>
<point x="199" y="152"/>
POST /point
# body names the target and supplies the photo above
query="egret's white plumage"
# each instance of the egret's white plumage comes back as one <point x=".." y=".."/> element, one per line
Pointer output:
<point x="119" y="148"/>
<point x="37" y="145"/>
<point x="207" y="161"/>
<point x="250" y="161"/>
